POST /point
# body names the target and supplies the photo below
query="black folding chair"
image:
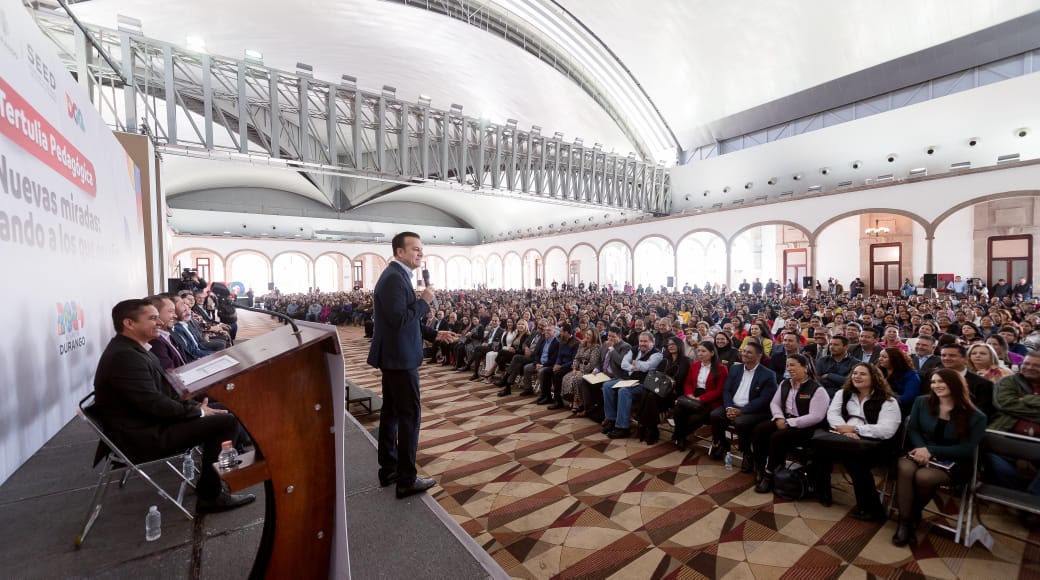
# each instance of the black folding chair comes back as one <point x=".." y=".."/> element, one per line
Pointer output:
<point x="116" y="463"/>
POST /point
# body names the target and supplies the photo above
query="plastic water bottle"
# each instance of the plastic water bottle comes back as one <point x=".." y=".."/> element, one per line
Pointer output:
<point x="728" y="464"/>
<point x="228" y="457"/>
<point x="152" y="524"/>
<point x="188" y="467"/>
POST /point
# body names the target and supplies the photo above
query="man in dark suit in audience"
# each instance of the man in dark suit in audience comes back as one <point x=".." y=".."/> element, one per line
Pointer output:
<point x="746" y="395"/>
<point x="867" y="350"/>
<point x="955" y="357"/>
<point x="396" y="350"/>
<point x="144" y="415"/>
<point x="924" y="357"/>
<point x="778" y="360"/>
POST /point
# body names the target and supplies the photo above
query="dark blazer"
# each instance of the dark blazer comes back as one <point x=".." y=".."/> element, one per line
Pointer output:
<point x="763" y="386"/>
<point x="554" y="352"/>
<point x="930" y="365"/>
<point x="778" y="361"/>
<point x="397" y="334"/>
<point x="981" y="390"/>
<point x="194" y="348"/>
<point x="856" y="352"/>
<point x="182" y="346"/>
<point x="167" y="353"/>
<point x="134" y="399"/>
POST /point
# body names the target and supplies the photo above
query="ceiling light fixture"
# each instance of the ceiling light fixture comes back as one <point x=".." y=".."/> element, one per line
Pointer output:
<point x="877" y="230"/>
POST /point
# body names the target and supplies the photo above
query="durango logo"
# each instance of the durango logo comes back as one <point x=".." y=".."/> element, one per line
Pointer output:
<point x="75" y="113"/>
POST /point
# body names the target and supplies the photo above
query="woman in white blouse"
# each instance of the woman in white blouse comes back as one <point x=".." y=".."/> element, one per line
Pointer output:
<point x="864" y="418"/>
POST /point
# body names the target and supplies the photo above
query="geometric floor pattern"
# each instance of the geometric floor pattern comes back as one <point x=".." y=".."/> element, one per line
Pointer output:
<point x="548" y="496"/>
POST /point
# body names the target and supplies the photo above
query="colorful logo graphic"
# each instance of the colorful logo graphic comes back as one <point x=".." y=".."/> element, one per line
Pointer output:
<point x="70" y="318"/>
<point x="75" y="113"/>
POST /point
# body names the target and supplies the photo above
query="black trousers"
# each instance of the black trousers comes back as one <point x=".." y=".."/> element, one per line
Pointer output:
<point x="744" y="424"/>
<point x="771" y="444"/>
<point x="857" y="463"/>
<point x="209" y="432"/>
<point x="399" y="424"/>
<point x="688" y="420"/>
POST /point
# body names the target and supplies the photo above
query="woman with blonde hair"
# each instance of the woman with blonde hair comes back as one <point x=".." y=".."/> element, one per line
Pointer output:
<point x="983" y="361"/>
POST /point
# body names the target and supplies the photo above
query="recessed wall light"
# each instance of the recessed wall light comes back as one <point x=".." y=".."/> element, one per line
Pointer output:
<point x="973" y="141"/>
<point x="797" y="177"/>
<point x="1022" y="132"/>
<point x="930" y="150"/>
<point x="857" y="164"/>
<point x="891" y="157"/>
<point x="824" y="170"/>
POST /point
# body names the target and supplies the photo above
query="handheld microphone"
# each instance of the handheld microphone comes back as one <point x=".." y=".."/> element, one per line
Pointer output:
<point x="426" y="282"/>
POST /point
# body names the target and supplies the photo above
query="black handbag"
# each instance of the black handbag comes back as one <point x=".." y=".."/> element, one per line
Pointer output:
<point x="825" y="439"/>
<point x="659" y="384"/>
<point x="691" y="403"/>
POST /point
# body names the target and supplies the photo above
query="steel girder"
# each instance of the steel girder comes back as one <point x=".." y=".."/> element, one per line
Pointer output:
<point x="335" y="131"/>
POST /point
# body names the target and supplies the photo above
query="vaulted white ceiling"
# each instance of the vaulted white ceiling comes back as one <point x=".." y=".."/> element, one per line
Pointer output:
<point x="698" y="61"/>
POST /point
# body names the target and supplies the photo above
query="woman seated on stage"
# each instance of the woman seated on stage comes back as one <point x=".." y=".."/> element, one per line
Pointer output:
<point x="864" y="418"/>
<point x="798" y="407"/>
<point x="701" y="392"/>
<point x="904" y="380"/>
<point x="675" y="365"/>
<point x="944" y="431"/>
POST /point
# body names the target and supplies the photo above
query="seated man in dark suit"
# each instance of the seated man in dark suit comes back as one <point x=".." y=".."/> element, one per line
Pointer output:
<point x="746" y="395"/>
<point x="955" y="357"/>
<point x="924" y="357"/>
<point x="170" y="354"/>
<point x="143" y="414"/>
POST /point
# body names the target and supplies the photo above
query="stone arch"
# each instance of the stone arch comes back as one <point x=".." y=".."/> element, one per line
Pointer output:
<point x="808" y="235"/>
<point x="372" y="266"/>
<point x="769" y="262"/>
<point x="981" y="199"/>
<point x="512" y="271"/>
<point x="291" y="282"/>
<point x="532" y="268"/>
<point x="586" y="270"/>
<point x="478" y="271"/>
<point x="615" y="273"/>
<point x="458" y="273"/>
<point x="218" y="271"/>
<point x="343" y="270"/>
<point x="554" y="266"/>
<point x="495" y="270"/>
<point x="909" y="214"/>
<point x="701" y="267"/>
<point x="611" y="241"/>
<point x="229" y="264"/>
<point x="654" y="270"/>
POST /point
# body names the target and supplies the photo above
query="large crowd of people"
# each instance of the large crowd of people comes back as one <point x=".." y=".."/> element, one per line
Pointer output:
<point x="853" y="378"/>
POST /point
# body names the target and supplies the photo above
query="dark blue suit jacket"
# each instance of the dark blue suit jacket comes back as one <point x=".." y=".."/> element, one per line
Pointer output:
<point x="397" y="333"/>
<point x="763" y="387"/>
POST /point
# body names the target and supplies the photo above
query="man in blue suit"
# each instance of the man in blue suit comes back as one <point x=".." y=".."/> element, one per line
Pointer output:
<point x="746" y="396"/>
<point x="396" y="350"/>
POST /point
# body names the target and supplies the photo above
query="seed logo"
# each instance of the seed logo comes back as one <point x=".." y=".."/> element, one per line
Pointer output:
<point x="75" y="113"/>
<point x="71" y="323"/>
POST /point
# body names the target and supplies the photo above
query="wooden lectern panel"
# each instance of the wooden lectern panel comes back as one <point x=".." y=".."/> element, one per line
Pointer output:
<point x="280" y="391"/>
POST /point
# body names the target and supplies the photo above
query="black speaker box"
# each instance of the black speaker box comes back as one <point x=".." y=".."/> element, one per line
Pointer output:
<point x="931" y="281"/>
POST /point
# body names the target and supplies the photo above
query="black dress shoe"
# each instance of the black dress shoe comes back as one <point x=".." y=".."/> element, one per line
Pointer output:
<point x="607" y="427"/>
<point x="748" y="464"/>
<point x="418" y="486"/>
<point x="766" y="485"/>
<point x="619" y="433"/>
<point x="386" y="480"/>
<point x="680" y="444"/>
<point x="526" y="392"/>
<point x="500" y="383"/>
<point x="223" y="502"/>
<point x="824" y="497"/>
<point x="543" y="401"/>
<point x="718" y="451"/>
<point x="556" y="405"/>
<point x="474" y="376"/>
<point x="904" y="534"/>
<point x="866" y="516"/>
<point x="505" y="392"/>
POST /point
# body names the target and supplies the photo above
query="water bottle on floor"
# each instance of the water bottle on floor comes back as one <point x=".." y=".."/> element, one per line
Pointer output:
<point x="188" y="467"/>
<point x="228" y="457"/>
<point x="152" y="524"/>
<point x="729" y="461"/>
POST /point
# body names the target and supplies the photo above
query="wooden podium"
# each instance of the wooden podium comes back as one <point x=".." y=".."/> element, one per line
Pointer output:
<point x="288" y="393"/>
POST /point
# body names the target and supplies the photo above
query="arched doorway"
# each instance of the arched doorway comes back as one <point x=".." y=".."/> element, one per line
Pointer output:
<point x="702" y="260"/>
<point x="459" y="273"/>
<point x="251" y="269"/>
<point x="555" y="267"/>
<point x="615" y="264"/>
<point x="494" y="272"/>
<point x="292" y="272"/>
<point x="583" y="265"/>
<point x="532" y="270"/>
<point x="654" y="263"/>
<point x="512" y="274"/>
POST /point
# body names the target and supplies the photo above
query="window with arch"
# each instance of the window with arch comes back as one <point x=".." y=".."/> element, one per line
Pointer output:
<point x="291" y="273"/>
<point x="654" y="263"/>
<point x="250" y="270"/>
<point x="615" y="262"/>
<point x="326" y="273"/>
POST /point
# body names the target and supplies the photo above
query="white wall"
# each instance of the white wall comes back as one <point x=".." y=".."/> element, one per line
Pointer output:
<point x="954" y="244"/>
<point x="920" y="263"/>
<point x="837" y="251"/>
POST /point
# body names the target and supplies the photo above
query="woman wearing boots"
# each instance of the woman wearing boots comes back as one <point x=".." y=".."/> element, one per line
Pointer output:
<point x="798" y="407"/>
<point x="864" y="418"/>
<point x="944" y="427"/>
<point x="700" y="394"/>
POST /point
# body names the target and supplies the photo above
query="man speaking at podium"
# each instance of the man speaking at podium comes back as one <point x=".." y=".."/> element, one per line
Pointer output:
<point x="396" y="350"/>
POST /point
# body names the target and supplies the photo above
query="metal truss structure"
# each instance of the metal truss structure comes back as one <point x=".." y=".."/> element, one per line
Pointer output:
<point x="336" y="134"/>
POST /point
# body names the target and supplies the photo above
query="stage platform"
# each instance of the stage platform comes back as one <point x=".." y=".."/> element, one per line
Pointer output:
<point x="43" y="504"/>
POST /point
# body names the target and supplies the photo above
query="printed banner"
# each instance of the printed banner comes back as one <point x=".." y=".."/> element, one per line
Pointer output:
<point x="70" y="235"/>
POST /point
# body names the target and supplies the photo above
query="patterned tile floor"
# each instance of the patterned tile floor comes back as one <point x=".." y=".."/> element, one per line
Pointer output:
<point x="548" y="496"/>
